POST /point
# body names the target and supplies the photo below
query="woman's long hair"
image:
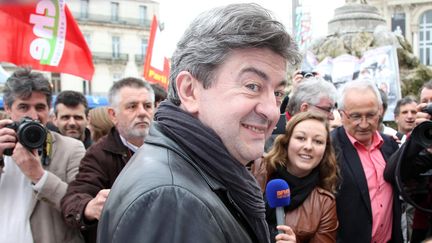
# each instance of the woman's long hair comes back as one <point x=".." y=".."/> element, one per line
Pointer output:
<point x="278" y="155"/>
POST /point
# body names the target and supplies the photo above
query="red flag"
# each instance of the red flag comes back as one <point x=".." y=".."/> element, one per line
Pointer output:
<point x="156" y="65"/>
<point x="44" y="35"/>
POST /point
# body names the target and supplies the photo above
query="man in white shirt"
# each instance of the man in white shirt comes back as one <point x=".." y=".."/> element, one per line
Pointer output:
<point x="33" y="181"/>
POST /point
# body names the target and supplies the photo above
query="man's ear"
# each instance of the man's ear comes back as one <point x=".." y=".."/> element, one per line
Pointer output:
<point x="112" y="114"/>
<point x="381" y="111"/>
<point x="303" y="107"/>
<point x="55" y="120"/>
<point x="188" y="89"/>
<point x="396" y="119"/>
<point x="8" y="110"/>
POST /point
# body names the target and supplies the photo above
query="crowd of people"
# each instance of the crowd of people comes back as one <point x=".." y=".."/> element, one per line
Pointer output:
<point x="192" y="164"/>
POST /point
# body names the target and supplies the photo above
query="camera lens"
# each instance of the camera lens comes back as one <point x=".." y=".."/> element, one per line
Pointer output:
<point x="428" y="109"/>
<point x="428" y="134"/>
<point x="32" y="135"/>
<point x="422" y="134"/>
<point x="308" y="75"/>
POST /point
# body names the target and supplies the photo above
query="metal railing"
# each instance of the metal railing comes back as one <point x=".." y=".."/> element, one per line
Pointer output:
<point x="110" y="57"/>
<point x="108" y="19"/>
<point x="139" y="58"/>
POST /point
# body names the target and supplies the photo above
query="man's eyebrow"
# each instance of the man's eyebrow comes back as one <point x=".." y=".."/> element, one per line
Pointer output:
<point x="262" y="75"/>
<point x="131" y="102"/>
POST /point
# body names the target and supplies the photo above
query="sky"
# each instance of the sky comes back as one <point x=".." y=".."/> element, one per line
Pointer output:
<point x="177" y="14"/>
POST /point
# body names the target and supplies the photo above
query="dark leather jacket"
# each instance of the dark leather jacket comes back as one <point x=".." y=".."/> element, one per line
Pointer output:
<point x="163" y="196"/>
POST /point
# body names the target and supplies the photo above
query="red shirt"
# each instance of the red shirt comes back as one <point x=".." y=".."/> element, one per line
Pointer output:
<point x="380" y="192"/>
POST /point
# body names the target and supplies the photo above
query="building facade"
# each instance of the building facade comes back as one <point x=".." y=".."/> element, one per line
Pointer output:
<point x="117" y="33"/>
<point x="413" y="19"/>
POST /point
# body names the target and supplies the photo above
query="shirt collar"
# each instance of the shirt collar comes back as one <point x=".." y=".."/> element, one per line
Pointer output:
<point x="129" y="145"/>
<point x="377" y="141"/>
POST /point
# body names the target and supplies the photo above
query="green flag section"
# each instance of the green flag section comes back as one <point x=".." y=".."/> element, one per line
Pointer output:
<point x="44" y="35"/>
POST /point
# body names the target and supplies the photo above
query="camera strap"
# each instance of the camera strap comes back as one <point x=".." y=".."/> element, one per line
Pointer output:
<point x="47" y="150"/>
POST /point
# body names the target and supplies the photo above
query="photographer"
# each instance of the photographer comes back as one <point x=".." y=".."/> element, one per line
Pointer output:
<point x="33" y="179"/>
<point x="425" y="98"/>
<point x="408" y="167"/>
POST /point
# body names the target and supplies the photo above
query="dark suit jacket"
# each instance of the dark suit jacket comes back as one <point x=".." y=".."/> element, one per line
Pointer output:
<point x="352" y="200"/>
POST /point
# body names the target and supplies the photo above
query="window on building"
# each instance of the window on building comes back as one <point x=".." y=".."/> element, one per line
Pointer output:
<point x="56" y="82"/>
<point x="114" y="11"/>
<point x="398" y="23"/>
<point x="143" y="14"/>
<point x="425" y="40"/>
<point x="117" y="76"/>
<point x="144" y="43"/>
<point x="84" y="9"/>
<point x="86" y="87"/>
<point x="116" y="47"/>
<point x="87" y="38"/>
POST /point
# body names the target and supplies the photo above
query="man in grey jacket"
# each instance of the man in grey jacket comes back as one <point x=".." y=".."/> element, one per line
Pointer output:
<point x="33" y="181"/>
<point x="188" y="182"/>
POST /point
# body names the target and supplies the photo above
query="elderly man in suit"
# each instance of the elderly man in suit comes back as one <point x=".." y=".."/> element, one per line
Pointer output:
<point x="368" y="207"/>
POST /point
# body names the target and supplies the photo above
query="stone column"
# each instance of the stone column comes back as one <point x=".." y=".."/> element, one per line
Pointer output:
<point x="408" y="16"/>
<point x="415" y="42"/>
<point x="353" y="18"/>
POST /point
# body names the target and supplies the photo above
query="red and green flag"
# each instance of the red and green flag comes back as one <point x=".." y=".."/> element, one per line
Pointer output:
<point x="44" y="35"/>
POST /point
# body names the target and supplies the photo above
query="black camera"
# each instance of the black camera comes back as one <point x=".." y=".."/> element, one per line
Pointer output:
<point x="307" y="74"/>
<point x="428" y="109"/>
<point x="30" y="133"/>
<point x="413" y="173"/>
<point x="422" y="134"/>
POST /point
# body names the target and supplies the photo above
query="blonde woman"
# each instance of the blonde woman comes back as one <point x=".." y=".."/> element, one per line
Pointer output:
<point x="99" y="122"/>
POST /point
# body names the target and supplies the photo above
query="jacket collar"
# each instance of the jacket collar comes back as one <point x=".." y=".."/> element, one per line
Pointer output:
<point x="348" y="155"/>
<point x="157" y="137"/>
<point x="87" y="138"/>
<point x="115" y="145"/>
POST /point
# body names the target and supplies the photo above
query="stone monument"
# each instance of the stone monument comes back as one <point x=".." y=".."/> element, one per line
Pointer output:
<point x="358" y="27"/>
<point x="353" y="18"/>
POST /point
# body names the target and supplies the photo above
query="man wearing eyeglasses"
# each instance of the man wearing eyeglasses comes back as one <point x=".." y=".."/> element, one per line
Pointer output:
<point x="314" y="94"/>
<point x="368" y="207"/>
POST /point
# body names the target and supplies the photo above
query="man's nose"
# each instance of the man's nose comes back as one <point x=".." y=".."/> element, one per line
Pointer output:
<point x="363" y="122"/>
<point x="32" y="114"/>
<point x="330" y="115"/>
<point x="72" y="121"/>
<point x="143" y="111"/>
<point x="268" y="108"/>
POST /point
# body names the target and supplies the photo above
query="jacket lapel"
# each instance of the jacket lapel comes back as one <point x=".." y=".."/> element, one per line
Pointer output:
<point x="35" y="201"/>
<point x="353" y="164"/>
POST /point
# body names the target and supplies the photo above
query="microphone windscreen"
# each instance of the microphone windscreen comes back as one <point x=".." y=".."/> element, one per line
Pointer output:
<point x="278" y="193"/>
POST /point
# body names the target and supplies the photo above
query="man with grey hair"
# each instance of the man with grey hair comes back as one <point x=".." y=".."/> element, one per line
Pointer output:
<point x="314" y="94"/>
<point x="131" y="110"/>
<point x="34" y="180"/>
<point x="368" y="207"/>
<point x="189" y="183"/>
